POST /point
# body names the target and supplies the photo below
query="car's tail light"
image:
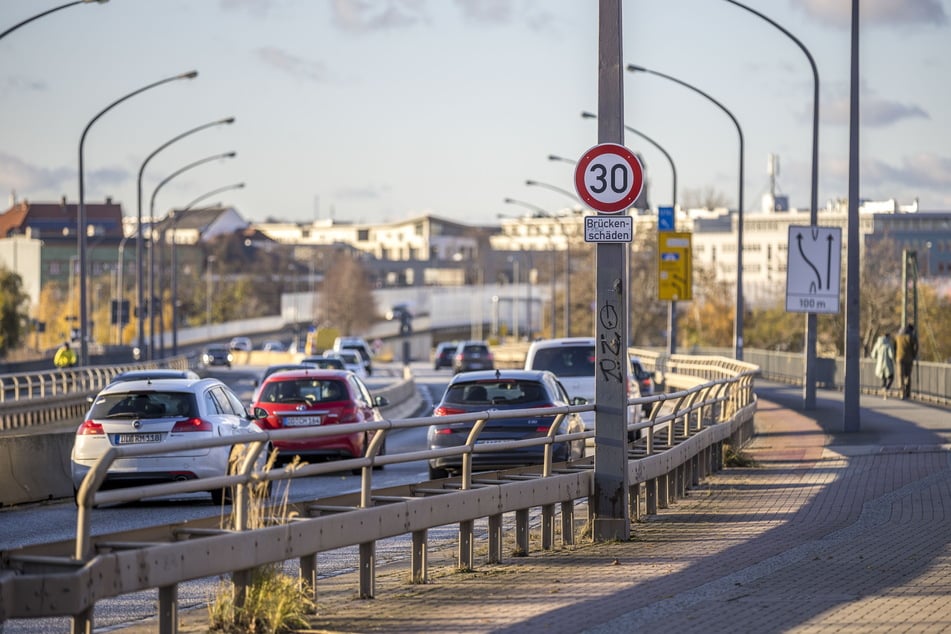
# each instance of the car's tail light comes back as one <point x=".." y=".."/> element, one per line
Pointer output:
<point x="490" y="357"/>
<point x="349" y="414"/>
<point x="191" y="424"/>
<point x="443" y="431"/>
<point x="90" y="428"/>
<point x="443" y="410"/>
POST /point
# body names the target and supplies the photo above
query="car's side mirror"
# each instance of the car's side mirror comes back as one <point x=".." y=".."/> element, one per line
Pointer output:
<point x="380" y="401"/>
<point x="579" y="400"/>
<point x="258" y="413"/>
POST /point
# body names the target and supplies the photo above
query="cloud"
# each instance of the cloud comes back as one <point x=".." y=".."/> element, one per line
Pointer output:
<point x="255" y="7"/>
<point x="361" y="193"/>
<point x="504" y="12"/>
<point x="24" y="84"/>
<point x="874" y="112"/>
<point x="378" y="15"/>
<point x="15" y="175"/>
<point x="876" y="12"/>
<point x="291" y="64"/>
<point x="487" y="11"/>
<point x="919" y="171"/>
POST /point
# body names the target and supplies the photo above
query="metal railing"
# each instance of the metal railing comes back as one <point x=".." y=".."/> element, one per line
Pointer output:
<point x="61" y="382"/>
<point x="680" y="441"/>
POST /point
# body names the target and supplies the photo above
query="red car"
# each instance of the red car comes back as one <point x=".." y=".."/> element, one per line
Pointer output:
<point x="312" y="398"/>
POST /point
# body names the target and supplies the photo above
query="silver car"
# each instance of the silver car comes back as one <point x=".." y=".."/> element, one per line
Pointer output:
<point x="156" y="413"/>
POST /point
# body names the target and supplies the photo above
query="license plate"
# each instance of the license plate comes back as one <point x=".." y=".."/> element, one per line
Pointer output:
<point x="138" y="439"/>
<point x="490" y="442"/>
<point x="301" y="421"/>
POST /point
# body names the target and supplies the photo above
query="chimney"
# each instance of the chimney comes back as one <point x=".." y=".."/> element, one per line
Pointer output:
<point x="108" y="200"/>
<point x="62" y="201"/>
<point x="13" y="198"/>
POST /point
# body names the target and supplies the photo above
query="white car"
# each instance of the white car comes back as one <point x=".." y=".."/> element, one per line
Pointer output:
<point x="157" y="412"/>
<point x="240" y="344"/>
<point x="572" y="360"/>
<point x="361" y="346"/>
<point x="352" y="360"/>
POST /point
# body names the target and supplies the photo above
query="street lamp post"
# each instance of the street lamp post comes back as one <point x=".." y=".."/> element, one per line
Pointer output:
<point x="139" y="247"/>
<point x="209" y="260"/>
<point x="155" y="192"/>
<point x="120" y="290"/>
<point x="554" y="188"/>
<point x="53" y="10"/>
<point x="551" y="246"/>
<point x="738" y="319"/>
<point x="81" y="216"/>
<point x="567" y="193"/>
<point x="809" y="385"/>
<point x="174" y="255"/>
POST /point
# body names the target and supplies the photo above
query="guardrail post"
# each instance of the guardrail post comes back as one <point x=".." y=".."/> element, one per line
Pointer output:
<point x="548" y="526"/>
<point x="495" y="538"/>
<point x="651" y="496"/>
<point x="82" y="623"/>
<point x="633" y="500"/>
<point x="567" y="523"/>
<point x="307" y="581"/>
<point x="522" y="532"/>
<point x="465" y="544"/>
<point x="367" y="570"/>
<point x="418" y="558"/>
<point x="168" y="609"/>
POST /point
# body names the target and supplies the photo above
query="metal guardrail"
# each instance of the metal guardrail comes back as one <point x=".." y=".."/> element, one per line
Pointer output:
<point x="681" y="441"/>
<point x="37" y="398"/>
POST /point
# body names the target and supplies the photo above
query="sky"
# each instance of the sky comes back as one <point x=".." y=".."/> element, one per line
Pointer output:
<point x="382" y="110"/>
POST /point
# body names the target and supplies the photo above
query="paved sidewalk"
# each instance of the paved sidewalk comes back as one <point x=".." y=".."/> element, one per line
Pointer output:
<point x="829" y="532"/>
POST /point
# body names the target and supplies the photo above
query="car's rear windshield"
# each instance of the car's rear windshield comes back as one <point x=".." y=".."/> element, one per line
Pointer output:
<point x="565" y="360"/>
<point x="497" y="393"/>
<point x="304" y="391"/>
<point x="144" y="405"/>
<point x="475" y="348"/>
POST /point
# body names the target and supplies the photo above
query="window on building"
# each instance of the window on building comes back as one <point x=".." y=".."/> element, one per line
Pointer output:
<point x="363" y="235"/>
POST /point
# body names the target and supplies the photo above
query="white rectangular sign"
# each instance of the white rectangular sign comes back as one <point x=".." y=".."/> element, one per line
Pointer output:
<point x="608" y="229"/>
<point x="813" y="267"/>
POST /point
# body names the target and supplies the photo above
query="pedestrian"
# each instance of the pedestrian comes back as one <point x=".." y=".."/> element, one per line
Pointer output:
<point x="65" y="357"/>
<point x="906" y="351"/>
<point x="884" y="355"/>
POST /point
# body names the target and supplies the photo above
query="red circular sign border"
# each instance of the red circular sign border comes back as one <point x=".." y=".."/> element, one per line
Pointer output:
<point x="629" y="157"/>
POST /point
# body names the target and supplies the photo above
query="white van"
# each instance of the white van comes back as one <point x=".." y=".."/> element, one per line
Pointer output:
<point x="572" y="360"/>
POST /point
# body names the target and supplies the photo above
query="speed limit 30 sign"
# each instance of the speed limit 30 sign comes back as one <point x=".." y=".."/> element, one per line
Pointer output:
<point x="609" y="178"/>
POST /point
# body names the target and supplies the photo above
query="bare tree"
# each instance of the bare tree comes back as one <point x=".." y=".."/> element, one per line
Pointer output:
<point x="347" y="298"/>
<point x="704" y="198"/>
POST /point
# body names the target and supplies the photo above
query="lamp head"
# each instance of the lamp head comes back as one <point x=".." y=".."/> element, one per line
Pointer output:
<point x="634" y="68"/>
<point x="530" y="182"/>
<point x="588" y="115"/>
<point x="192" y="74"/>
<point x="229" y="120"/>
<point x="230" y="155"/>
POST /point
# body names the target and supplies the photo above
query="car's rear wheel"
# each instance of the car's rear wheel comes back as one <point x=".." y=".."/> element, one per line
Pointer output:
<point x="435" y="473"/>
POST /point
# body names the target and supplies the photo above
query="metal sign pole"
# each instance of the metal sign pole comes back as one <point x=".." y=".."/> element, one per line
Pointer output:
<point x="611" y="483"/>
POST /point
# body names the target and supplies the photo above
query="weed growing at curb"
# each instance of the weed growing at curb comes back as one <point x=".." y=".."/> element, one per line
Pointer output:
<point x="274" y="602"/>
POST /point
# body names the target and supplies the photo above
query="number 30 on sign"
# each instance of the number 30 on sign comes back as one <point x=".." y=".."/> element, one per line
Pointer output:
<point x="609" y="178"/>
